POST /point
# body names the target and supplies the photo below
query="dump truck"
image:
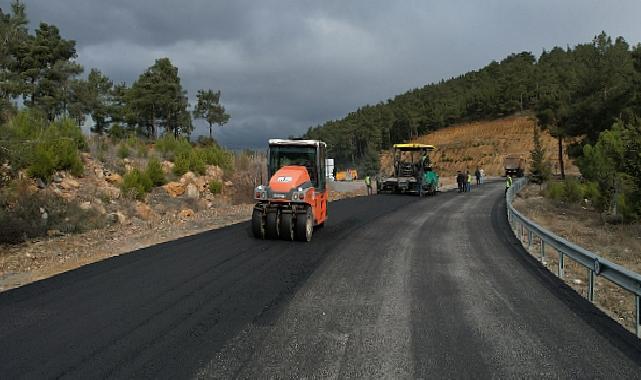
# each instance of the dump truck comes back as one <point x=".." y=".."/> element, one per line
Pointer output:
<point x="411" y="174"/>
<point x="295" y="199"/>
<point x="514" y="165"/>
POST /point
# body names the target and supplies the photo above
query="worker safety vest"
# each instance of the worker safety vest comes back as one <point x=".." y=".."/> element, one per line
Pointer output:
<point x="368" y="181"/>
<point x="508" y="182"/>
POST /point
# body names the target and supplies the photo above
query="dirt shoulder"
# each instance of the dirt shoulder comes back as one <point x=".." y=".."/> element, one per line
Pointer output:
<point x="42" y="258"/>
<point x="584" y="226"/>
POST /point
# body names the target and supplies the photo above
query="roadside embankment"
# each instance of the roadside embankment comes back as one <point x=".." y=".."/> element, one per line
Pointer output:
<point x="585" y="227"/>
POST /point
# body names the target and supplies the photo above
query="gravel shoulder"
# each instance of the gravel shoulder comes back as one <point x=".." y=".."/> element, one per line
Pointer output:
<point x="43" y="258"/>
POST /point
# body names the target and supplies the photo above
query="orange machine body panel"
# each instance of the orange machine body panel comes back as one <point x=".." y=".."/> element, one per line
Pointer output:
<point x="289" y="178"/>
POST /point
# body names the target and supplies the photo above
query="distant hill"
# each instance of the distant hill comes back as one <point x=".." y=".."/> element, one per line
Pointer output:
<point x="485" y="143"/>
<point x="575" y="91"/>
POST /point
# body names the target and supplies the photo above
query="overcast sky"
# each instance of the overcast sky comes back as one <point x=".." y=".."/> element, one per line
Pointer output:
<point x="283" y="66"/>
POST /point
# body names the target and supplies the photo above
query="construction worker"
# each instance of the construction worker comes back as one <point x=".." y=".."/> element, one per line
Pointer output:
<point x="459" y="181"/>
<point x="482" y="175"/>
<point x="368" y="183"/>
<point x="508" y="183"/>
<point x="469" y="181"/>
<point x="477" y="174"/>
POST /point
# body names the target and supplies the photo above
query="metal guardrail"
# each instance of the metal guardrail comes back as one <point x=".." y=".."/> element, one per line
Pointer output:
<point x="595" y="265"/>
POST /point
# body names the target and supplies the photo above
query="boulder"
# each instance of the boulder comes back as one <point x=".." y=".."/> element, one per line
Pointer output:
<point x="186" y="213"/>
<point x="86" y="157"/>
<point x="214" y="172"/>
<point x="174" y="189"/>
<point x="192" y="191"/>
<point x="40" y="183"/>
<point x="99" y="208"/>
<point x="201" y="183"/>
<point x="229" y="184"/>
<point x="69" y="183"/>
<point x="117" y="218"/>
<point x="57" y="178"/>
<point x="143" y="211"/>
<point x="85" y="205"/>
<point x="167" y="166"/>
<point x="111" y="192"/>
<point x="99" y="173"/>
<point x="114" y="178"/>
<point x="54" y="233"/>
<point x="187" y="178"/>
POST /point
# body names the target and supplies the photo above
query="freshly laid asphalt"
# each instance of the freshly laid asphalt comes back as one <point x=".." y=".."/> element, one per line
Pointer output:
<point x="391" y="287"/>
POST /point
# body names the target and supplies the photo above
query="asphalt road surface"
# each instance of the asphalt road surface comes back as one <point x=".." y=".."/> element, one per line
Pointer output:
<point x="392" y="287"/>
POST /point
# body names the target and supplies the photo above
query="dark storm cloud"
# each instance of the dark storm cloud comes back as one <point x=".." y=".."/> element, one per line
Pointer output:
<point x="286" y="65"/>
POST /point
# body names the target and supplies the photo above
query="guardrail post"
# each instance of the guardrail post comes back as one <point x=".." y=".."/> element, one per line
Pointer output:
<point x="561" y="266"/>
<point x="590" y="285"/>
<point x="542" y="249"/>
<point x="529" y="240"/>
<point x="637" y="300"/>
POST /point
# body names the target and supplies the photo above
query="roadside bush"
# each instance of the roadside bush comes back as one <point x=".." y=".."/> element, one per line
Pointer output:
<point x="181" y="164"/>
<point x="215" y="187"/>
<point x="155" y="173"/>
<point x="170" y="147"/>
<point x="123" y="150"/>
<point x="136" y="184"/>
<point x="591" y="192"/>
<point x="117" y="132"/>
<point x="204" y="141"/>
<point x="197" y="162"/>
<point x="139" y="146"/>
<point x="555" y="190"/>
<point x="217" y="156"/>
<point x="43" y="162"/>
<point x="32" y="143"/>
<point x="24" y="216"/>
<point x="573" y="190"/>
<point x="192" y="160"/>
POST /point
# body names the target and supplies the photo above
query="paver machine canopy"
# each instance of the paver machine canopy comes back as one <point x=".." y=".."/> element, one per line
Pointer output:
<point x="411" y="164"/>
<point x="295" y="200"/>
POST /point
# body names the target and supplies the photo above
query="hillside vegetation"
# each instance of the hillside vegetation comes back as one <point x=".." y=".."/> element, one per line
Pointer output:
<point x="484" y="144"/>
<point x="589" y="94"/>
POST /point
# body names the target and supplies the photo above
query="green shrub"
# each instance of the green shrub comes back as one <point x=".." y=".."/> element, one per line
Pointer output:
<point x="68" y="158"/>
<point x="181" y="164"/>
<point x="117" y="132"/>
<point x="215" y="186"/>
<point x="190" y="161"/>
<point x="170" y="147"/>
<point x="43" y="162"/>
<point x="573" y="192"/>
<point x="123" y="150"/>
<point x="555" y="190"/>
<point x="197" y="162"/>
<point x="591" y="192"/>
<point x="217" y="156"/>
<point x="136" y="184"/>
<point x="155" y="173"/>
<point x="40" y="147"/>
<point x="21" y="217"/>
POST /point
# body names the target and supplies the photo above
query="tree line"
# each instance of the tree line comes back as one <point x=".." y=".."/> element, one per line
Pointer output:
<point x="575" y="91"/>
<point x="39" y="70"/>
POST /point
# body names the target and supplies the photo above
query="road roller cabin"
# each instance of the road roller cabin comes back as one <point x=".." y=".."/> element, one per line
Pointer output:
<point x="295" y="200"/>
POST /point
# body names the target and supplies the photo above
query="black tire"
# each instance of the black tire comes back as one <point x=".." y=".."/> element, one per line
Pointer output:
<point x="305" y="225"/>
<point x="271" y="225"/>
<point x="258" y="224"/>
<point x="286" y="227"/>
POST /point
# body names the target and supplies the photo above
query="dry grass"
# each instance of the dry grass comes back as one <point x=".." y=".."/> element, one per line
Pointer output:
<point x="484" y="144"/>
<point x="620" y="244"/>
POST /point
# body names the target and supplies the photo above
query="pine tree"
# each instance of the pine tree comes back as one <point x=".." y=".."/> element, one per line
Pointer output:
<point x="539" y="167"/>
